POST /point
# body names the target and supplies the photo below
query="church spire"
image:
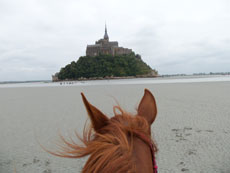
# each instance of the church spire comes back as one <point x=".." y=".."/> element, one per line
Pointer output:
<point x="106" y="37"/>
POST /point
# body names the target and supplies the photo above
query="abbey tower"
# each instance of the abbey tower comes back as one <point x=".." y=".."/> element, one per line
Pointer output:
<point x="106" y="47"/>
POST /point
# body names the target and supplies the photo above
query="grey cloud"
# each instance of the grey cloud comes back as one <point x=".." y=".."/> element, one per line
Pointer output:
<point x="37" y="38"/>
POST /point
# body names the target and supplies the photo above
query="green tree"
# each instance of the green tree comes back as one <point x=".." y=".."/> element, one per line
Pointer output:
<point x="105" y="65"/>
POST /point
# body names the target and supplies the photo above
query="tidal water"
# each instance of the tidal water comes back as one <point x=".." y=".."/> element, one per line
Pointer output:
<point x="159" y="80"/>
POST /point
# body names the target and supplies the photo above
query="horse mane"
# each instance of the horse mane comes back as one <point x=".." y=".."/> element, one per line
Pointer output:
<point x="110" y="149"/>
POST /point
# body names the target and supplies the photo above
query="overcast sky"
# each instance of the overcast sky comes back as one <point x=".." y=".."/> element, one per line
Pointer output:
<point x="38" y="37"/>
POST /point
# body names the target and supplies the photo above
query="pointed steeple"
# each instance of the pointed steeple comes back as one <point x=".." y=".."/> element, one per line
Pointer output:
<point x="106" y="37"/>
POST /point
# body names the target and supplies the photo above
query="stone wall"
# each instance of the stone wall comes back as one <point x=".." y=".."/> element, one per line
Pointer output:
<point x="105" y="47"/>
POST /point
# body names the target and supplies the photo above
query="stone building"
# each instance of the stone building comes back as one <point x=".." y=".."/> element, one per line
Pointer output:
<point x="106" y="47"/>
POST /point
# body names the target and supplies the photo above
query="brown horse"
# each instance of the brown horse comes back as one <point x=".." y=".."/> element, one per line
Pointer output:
<point x="118" y="144"/>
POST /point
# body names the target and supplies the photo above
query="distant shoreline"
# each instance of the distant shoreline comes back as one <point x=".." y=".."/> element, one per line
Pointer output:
<point x="149" y="76"/>
<point x="129" y="81"/>
<point x="173" y="76"/>
<point x="141" y="77"/>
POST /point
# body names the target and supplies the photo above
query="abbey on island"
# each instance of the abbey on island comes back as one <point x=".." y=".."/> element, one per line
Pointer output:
<point x="106" y="47"/>
<point x="87" y="67"/>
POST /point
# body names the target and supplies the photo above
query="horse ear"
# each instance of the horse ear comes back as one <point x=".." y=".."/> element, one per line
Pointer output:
<point x="147" y="107"/>
<point x="98" y="119"/>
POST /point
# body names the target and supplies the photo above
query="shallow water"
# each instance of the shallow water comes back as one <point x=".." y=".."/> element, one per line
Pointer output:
<point x="160" y="80"/>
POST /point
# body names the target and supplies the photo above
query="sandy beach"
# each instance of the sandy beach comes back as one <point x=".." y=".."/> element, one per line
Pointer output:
<point x="192" y="128"/>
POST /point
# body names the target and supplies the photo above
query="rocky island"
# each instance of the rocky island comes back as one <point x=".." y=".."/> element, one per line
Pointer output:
<point x="105" y="59"/>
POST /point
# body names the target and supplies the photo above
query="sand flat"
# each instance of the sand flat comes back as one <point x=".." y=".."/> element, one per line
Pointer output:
<point x="192" y="129"/>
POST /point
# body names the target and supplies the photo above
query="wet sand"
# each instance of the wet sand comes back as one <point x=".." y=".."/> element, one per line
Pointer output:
<point x="192" y="128"/>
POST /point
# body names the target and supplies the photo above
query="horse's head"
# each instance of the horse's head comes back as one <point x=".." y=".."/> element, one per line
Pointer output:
<point x="146" y="109"/>
<point x="118" y="144"/>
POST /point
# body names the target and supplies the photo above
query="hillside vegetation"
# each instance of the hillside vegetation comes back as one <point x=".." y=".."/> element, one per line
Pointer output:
<point x="105" y="66"/>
